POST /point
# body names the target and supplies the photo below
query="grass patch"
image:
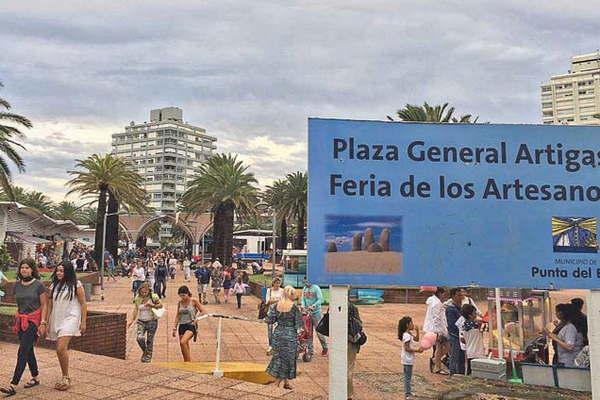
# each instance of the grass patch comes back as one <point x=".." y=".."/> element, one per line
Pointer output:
<point x="262" y="280"/>
<point x="8" y="310"/>
<point x="11" y="275"/>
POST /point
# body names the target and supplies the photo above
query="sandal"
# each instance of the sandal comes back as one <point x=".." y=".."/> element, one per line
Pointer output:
<point x="442" y="372"/>
<point x="10" y="391"/>
<point x="288" y="386"/>
<point x="33" y="382"/>
<point x="63" y="384"/>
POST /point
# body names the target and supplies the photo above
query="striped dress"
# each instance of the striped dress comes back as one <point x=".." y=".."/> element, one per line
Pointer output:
<point x="285" y="342"/>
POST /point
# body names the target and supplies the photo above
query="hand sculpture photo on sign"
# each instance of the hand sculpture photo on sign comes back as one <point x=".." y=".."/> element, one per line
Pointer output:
<point x="363" y="244"/>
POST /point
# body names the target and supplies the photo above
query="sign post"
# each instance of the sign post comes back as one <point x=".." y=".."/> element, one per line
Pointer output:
<point x="499" y="324"/>
<point x="338" y="352"/>
<point x="594" y="339"/>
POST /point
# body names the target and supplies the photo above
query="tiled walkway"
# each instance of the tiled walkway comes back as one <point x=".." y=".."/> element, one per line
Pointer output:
<point x="378" y="370"/>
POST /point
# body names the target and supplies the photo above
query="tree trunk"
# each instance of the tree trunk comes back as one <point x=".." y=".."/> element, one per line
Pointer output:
<point x="283" y="239"/>
<point x="217" y="242"/>
<point x="227" y="228"/>
<point x="99" y="225"/>
<point x="112" y="226"/>
<point x="299" y="245"/>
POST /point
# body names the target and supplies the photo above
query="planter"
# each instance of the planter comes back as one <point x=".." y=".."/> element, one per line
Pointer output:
<point x="105" y="335"/>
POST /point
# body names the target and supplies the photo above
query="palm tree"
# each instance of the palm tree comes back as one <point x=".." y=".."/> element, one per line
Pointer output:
<point x="39" y="201"/>
<point x="225" y="187"/>
<point x="427" y="113"/>
<point x="34" y="199"/>
<point x="273" y="196"/>
<point x="253" y="221"/>
<point x="295" y="201"/>
<point x="68" y="210"/>
<point x="8" y="136"/>
<point x="99" y="176"/>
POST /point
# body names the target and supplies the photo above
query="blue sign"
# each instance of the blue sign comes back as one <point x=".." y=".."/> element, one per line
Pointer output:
<point x="453" y="204"/>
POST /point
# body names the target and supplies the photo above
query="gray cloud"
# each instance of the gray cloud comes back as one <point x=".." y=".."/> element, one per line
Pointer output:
<point x="259" y="69"/>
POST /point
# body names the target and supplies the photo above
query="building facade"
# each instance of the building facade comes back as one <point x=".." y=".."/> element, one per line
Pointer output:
<point x="167" y="152"/>
<point x="574" y="97"/>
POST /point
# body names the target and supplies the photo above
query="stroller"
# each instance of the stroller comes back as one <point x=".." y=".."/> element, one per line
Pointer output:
<point x="305" y="336"/>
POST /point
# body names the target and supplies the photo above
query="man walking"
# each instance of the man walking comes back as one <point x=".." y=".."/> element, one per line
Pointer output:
<point x="435" y="322"/>
<point x="161" y="273"/>
<point x="457" y="355"/>
<point x="312" y="298"/>
<point x="203" y="278"/>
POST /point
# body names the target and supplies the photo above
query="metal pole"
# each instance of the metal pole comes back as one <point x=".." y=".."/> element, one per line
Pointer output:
<point x="593" y="310"/>
<point x="338" y="333"/>
<point x="499" y="325"/>
<point x="202" y="261"/>
<point x="102" y="258"/>
<point x="274" y="255"/>
<point x="217" y="372"/>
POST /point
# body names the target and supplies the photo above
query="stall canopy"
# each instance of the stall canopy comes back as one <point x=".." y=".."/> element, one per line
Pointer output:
<point x="16" y="237"/>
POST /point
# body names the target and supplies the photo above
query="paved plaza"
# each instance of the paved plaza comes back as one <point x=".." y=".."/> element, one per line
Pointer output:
<point x="378" y="370"/>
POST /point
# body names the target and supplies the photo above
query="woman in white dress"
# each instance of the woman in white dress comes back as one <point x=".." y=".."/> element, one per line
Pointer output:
<point x="68" y="313"/>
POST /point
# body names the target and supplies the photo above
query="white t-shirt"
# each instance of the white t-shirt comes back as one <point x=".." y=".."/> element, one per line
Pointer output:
<point x="139" y="274"/>
<point x="474" y="343"/>
<point x="274" y="295"/>
<point x="435" y="317"/>
<point x="407" y="358"/>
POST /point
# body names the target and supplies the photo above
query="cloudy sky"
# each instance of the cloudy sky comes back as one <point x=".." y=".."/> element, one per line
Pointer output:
<point x="251" y="72"/>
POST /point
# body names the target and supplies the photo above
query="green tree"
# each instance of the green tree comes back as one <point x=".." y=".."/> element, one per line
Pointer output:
<point x="9" y="134"/>
<point x="102" y="176"/>
<point x="427" y="113"/>
<point x="5" y="258"/>
<point x="39" y="201"/>
<point x="34" y="199"/>
<point x="69" y="210"/>
<point x="295" y="201"/>
<point x="274" y="196"/>
<point x="225" y="187"/>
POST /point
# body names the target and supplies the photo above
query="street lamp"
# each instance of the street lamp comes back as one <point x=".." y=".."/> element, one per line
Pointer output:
<point x="266" y="207"/>
<point x="106" y="215"/>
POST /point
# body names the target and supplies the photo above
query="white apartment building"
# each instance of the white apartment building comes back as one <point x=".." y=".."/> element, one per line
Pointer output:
<point x="167" y="152"/>
<point x="574" y="97"/>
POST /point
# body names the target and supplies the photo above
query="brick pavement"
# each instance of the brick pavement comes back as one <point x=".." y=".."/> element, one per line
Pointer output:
<point x="378" y="370"/>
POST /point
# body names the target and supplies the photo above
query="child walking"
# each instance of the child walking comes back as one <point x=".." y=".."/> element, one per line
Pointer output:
<point x="238" y="288"/>
<point x="410" y="346"/>
<point x="472" y="336"/>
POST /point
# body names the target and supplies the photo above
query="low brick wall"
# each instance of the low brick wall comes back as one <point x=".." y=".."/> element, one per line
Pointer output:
<point x="105" y="335"/>
<point x="8" y="288"/>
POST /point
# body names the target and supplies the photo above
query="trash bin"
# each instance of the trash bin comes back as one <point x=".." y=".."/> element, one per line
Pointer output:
<point x="87" y="288"/>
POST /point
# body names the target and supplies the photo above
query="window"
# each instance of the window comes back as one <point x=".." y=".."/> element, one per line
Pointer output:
<point x="547" y="105"/>
<point x="548" y="113"/>
<point x="544" y="89"/>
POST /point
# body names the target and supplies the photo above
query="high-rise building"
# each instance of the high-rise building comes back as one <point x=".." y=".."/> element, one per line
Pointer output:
<point x="574" y="97"/>
<point x="167" y="152"/>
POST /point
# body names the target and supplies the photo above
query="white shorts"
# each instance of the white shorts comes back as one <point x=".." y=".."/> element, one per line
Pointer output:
<point x="203" y="288"/>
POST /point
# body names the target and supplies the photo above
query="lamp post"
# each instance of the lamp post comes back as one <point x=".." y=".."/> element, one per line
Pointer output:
<point x="106" y="215"/>
<point x="264" y="206"/>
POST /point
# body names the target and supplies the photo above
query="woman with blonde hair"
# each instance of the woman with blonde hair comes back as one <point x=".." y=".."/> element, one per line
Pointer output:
<point x="146" y="322"/>
<point x="285" y="343"/>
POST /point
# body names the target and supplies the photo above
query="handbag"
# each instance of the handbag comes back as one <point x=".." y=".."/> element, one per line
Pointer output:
<point x="323" y="325"/>
<point x="159" y="312"/>
<point x="263" y="309"/>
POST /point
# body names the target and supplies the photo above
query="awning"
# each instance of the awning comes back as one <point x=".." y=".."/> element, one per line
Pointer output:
<point x="15" y="237"/>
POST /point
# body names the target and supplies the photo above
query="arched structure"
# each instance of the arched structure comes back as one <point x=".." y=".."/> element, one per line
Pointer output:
<point x="194" y="225"/>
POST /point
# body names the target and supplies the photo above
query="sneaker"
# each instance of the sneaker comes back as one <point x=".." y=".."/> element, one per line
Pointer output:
<point x="324" y="352"/>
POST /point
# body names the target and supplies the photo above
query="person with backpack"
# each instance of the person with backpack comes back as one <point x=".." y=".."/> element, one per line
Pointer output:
<point x="203" y="277"/>
<point x="356" y="339"/>
<point x="161" y="273"/>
